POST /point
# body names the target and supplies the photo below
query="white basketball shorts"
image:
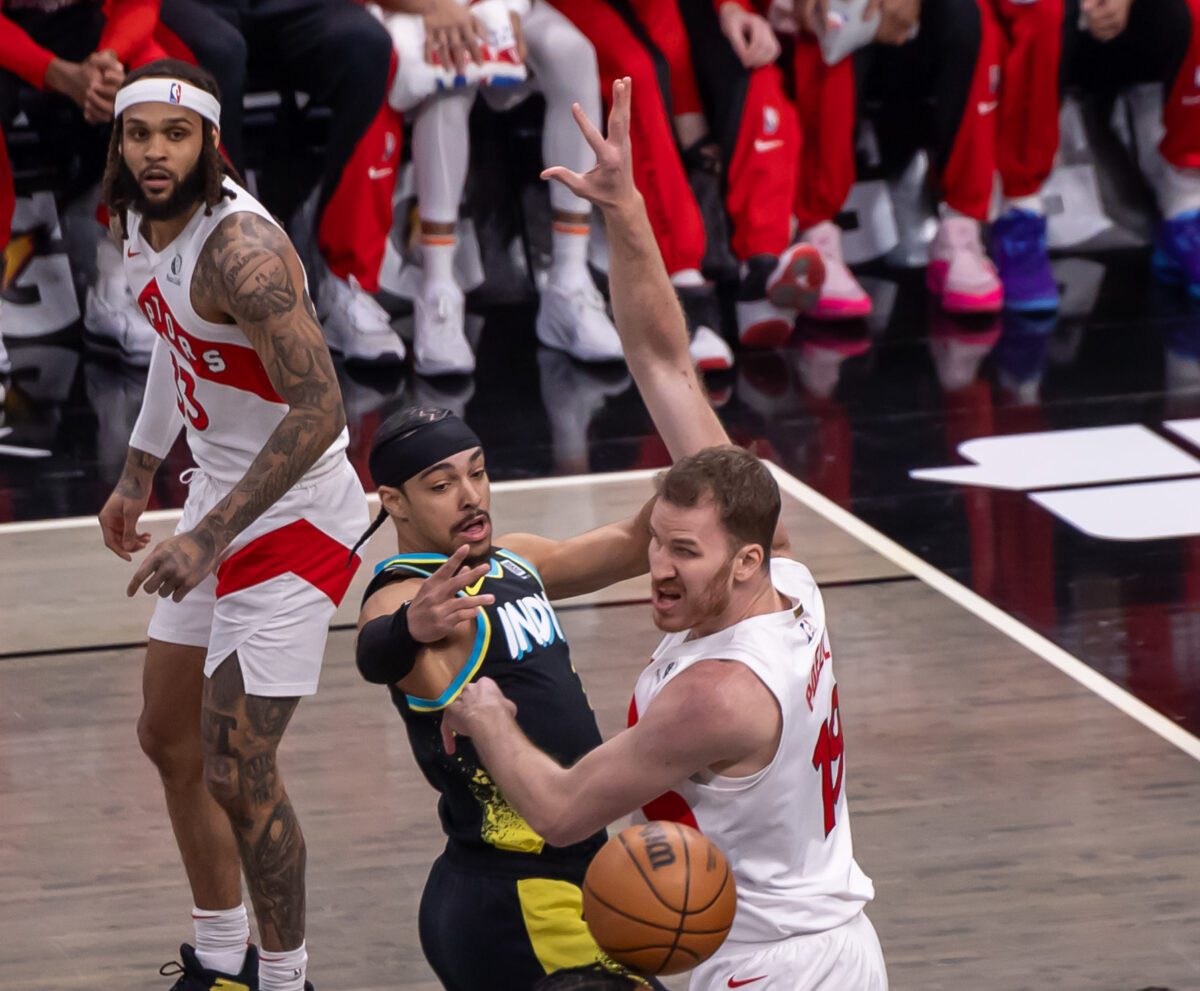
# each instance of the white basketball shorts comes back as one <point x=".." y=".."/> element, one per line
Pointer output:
<point x="275" y="591"/>
<point x="847" y="958"/>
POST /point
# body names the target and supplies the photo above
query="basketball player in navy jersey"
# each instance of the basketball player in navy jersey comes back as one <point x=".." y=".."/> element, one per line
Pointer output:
<point x="502" y="906"/>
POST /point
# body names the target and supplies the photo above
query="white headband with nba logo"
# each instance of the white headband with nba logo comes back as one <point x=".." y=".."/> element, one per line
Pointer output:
<point x="171" y="91"/>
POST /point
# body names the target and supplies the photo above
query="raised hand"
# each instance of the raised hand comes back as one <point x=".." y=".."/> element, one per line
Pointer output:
<point x="437" y="608"/>
<point x="609" y="185"/>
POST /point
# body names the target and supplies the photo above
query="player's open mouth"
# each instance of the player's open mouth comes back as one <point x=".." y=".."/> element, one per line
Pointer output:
<point x="664" y="599"/>
<point x="475" y="530"/>
<point x="156" y="181"/>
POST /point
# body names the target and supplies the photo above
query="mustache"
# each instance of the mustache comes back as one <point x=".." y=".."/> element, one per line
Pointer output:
<point x="466" y="521"/>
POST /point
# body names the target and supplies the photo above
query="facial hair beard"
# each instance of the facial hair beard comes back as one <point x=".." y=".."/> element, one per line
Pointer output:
<point x="185" y="195"/>
<point x="716" y="597"/>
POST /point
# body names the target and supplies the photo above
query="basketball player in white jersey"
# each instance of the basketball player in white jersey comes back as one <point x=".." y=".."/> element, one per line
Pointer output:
<point x="734" y="727"/>
<point x="248" y="584"/>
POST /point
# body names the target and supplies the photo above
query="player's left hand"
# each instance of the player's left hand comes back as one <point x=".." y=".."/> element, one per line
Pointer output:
<point x="751" y="36"/>
<point x="102" y="92"/>
<point x="610" y="183"/>
<point x="898" y="20"/>
<point x="175" y="567"/>
<point x="480" y="704"/>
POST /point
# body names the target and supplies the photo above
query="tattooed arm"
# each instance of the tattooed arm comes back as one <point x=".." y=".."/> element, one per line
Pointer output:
<point x="158" y="424"/>
<point x="249" y="274"/>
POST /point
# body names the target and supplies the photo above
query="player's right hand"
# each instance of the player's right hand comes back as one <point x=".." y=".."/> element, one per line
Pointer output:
<point x="118" y="524"/>
<point x="609" y="184"/>
<point x="437" y="608"/>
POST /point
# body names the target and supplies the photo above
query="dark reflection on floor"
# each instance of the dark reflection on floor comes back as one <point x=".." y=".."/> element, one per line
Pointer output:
<point x="851" y="411"/>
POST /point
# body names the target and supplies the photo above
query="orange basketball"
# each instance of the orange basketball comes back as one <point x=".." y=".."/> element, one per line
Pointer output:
<point x="659" y="898"/>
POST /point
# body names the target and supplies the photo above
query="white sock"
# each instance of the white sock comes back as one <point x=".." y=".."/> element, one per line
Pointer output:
<point x="437" y="253"/>
<point x="569" y="252"/>
<point x="1179" y="191"/>
<point x="282" y="970"/>
<point x="221" y="938"/>
<point x="686" y="277"/>
<point x="1030" y="204"/>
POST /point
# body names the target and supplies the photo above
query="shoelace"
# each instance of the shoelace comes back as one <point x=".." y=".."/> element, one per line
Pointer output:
<point x="828" y="244"/>
<point x="179" y="971"/>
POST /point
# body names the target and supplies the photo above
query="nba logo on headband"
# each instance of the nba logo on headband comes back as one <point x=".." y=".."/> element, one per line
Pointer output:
<point x="176" y="93"/>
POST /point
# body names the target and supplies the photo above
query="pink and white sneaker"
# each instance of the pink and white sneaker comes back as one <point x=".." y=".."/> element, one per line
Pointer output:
<point x="960" y="272"/>
<point x="841" y="297"/>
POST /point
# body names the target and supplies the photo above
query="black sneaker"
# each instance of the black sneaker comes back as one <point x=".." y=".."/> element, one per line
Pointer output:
<point x="193" y="976"/>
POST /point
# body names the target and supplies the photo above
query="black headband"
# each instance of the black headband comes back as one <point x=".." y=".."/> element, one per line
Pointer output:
<point x="394" y="460"/>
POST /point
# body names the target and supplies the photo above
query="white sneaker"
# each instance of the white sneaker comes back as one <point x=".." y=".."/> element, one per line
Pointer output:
<point x="709" y="351"/>
<point x="439" y="332"/>
<point x="112" y="318"/>
<point x="572" y="318"/>
<point x="842" y="298"/>
<point x="355" y="325"/>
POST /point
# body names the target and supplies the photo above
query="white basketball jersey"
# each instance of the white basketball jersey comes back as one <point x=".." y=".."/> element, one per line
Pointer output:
<point x="786" y="828"/>
<point x="224" y="394"/>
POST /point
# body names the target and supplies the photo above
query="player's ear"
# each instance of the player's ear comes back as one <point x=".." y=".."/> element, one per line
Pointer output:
<point x="394" y="501"/>
<point x="747" y="562"/>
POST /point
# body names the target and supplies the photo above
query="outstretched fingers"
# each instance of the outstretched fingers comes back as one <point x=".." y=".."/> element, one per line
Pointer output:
<point x="618" y="117"/>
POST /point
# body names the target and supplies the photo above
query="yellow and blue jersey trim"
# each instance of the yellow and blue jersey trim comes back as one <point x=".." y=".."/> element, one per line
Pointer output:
<point x="424" y="565"/>
<point x="524" y="564"/>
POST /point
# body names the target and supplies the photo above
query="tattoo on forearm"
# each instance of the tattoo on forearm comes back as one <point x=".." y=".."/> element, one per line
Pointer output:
<point x="248" y="270"/>
<point x="137" y="474"/>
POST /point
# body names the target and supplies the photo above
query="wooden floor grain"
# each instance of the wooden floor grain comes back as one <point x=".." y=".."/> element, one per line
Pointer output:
<point x="1021" y="832"/>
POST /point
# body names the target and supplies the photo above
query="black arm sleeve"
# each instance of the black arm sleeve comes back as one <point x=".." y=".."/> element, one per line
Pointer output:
<point x="386" y="651"/>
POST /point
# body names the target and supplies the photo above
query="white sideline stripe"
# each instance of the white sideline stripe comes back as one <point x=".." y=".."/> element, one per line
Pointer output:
<point x="517" y="485"/>
<point x="974" y="603"/>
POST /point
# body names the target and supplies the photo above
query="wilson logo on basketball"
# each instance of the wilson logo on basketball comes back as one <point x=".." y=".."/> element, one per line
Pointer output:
<point x="658" y="847"/>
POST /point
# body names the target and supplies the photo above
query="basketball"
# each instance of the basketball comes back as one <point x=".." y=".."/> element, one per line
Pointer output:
<point x="659" y="898"/>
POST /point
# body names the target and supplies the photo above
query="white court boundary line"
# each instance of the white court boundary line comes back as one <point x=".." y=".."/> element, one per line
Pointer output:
<point x="516" y="485"/>
<point x="958" y="593"/>
<point x="1014" y="629"/>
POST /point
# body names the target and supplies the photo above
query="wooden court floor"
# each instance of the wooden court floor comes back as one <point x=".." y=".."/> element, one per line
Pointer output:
<point x="1021" y="832"/>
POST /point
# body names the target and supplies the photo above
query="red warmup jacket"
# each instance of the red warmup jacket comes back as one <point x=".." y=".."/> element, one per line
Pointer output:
<point x="129" y="25"/>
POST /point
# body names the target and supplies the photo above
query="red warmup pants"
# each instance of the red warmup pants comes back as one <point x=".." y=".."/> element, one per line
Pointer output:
<point x="963" y="110"/>
<point x="665" y="27"/>
<point x="657" y="168"/>
<point x="749" y="115"/>
<point x="763" y="172"/>
<point x="1161" y="41"/>
<point x="353" y="230"/>
<point x="1027" y="121"/>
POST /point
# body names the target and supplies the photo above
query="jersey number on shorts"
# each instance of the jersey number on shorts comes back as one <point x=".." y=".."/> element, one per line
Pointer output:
<point x="828" y="752"/>
<point x="185" y="387"/>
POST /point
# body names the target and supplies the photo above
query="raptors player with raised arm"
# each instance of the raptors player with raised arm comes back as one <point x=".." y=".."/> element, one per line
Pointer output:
<point x="250" y="580"/>
<point x="734" y="725"/>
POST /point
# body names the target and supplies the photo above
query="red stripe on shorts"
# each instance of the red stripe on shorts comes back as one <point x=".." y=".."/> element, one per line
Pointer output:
<point x="299" y="549"/>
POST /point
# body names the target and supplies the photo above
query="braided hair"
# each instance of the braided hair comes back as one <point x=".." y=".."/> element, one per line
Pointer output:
<point x="120" y="188"/>
<point x="399" y="425"/>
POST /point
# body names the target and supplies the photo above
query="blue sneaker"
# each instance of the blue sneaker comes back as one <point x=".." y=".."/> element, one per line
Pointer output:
<point x="1017" y="241"/>
<point x="1176" y="258"/>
